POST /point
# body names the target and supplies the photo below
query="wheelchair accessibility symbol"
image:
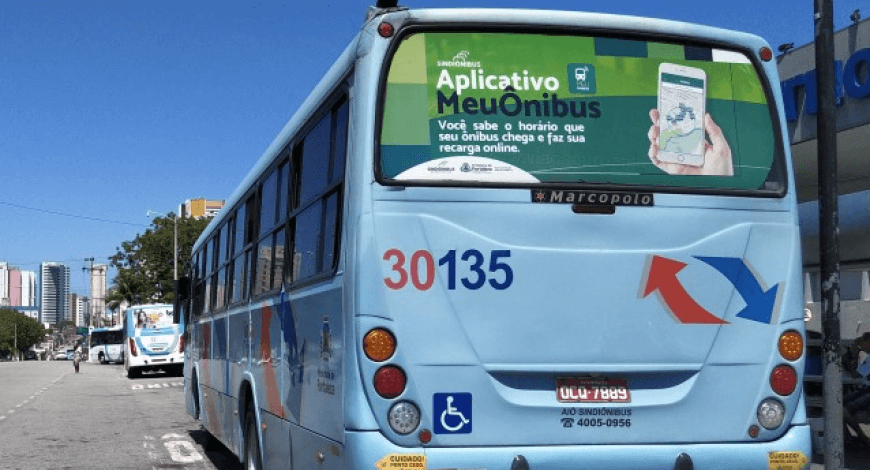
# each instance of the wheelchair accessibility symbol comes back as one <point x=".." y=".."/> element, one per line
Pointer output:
<point x="452" y="413"/>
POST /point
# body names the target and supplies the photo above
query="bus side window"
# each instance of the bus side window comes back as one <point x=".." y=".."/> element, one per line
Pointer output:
<point x="269" y="197"/>
<point x="314" y="231"/>
<point x="212" y="279"/>
<point x="250" y="236"/>
<point x="221" y="257"/>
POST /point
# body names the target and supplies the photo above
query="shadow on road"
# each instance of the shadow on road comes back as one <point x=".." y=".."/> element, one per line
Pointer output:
<point x="217" y="453"/>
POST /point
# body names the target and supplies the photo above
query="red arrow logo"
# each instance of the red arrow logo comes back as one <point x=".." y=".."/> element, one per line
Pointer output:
<point x="661" y="276"/>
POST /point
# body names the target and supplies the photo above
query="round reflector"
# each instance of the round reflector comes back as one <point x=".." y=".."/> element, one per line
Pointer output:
<point x="385" y="30"/>
<point x="404" y="417"/>
<point x="379" y="344"/>
<point x="783" y="380"/>
<point x="765" y="53"/>
<point x="771" y="413"/>
<point x="753" y="431"/>
<point x="389" y="381"/>
<point x="791" y="345"/>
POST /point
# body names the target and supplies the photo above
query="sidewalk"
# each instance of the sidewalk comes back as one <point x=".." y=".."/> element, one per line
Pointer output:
<point x="857" y="457"/>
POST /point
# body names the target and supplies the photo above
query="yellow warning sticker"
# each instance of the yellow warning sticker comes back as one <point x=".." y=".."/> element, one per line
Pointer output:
<point x="402" y="462"/>
<point x="786" y="460"/>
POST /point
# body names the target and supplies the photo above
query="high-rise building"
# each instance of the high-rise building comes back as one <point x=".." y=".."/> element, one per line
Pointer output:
<point x="54" y="287"/>
<point x="22" y="288"/>
<point x="28" y="289"/>
<point x="4" y="285"/>
<point x="14" y="287"/>
<point x="98" y="292"/>
<point x="78" y="308"/>
<point x="200" y="207"/>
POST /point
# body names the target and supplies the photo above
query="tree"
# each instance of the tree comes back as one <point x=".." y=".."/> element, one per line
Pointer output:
<point x="145" y="271"/>
<point x="29" y="331"/>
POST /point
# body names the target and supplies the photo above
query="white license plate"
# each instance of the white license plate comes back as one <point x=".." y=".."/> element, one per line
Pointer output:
<point x="592" y="390"/>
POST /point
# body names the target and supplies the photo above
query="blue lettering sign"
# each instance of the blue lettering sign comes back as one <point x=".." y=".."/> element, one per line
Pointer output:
<point x="851" y="75"/>
<point x="847" y="81"/>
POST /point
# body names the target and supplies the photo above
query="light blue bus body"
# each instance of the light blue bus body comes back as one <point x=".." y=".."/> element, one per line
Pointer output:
<point x="151" y="340"/>
<point x="529" y="330"/>
<point x="106" y="345"/>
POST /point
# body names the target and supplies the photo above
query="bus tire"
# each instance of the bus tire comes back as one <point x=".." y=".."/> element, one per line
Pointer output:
<point x="133" y="373"/>
<point x="194" y="390"/>
<point x="102" y="358"/>
<point x="252" y="460"/>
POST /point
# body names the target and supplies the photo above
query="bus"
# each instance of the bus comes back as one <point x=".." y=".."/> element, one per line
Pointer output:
<point x="105" y="345"/>
<point x="152" y="340"/>
<point x="512" y="239"/>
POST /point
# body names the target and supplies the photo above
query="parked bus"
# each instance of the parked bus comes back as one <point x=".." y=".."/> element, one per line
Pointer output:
<point x="106" y="345"/>
<point x="152" y="341"/>
<point x="512" y="239"/>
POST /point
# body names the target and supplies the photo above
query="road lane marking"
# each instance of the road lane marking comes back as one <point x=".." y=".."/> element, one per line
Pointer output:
<point x="182" y="451"/>
<point x="152" y="386"/>
<point x="180" y="448"/>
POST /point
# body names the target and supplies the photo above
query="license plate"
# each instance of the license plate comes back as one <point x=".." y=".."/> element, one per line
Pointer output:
<point x="592" y="390"/>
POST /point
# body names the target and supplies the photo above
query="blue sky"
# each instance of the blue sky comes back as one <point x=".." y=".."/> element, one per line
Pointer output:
<point x="109" y="109"/>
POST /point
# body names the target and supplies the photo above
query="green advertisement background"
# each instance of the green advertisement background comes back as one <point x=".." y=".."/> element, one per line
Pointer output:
<point x="616" y="143"/>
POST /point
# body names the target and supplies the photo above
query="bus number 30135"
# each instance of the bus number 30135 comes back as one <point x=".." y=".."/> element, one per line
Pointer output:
<point x="421" y="269"/>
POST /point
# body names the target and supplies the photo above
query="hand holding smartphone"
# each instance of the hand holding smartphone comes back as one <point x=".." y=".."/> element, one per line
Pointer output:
<point x="682" y="99"/>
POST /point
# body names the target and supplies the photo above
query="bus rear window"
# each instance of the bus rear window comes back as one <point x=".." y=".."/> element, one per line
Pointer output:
<point x="151" y="318"/>
<point x="497" y="108"/>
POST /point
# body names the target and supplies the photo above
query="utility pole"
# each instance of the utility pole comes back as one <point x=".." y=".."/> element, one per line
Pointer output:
<point x="829" y="252"/>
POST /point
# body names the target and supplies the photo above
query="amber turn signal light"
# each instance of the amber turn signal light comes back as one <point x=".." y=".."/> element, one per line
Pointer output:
<point x="379" y="344"/>
<point x="791" y="345"/>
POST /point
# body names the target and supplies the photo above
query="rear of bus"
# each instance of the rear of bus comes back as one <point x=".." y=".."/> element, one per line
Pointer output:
<point x="580" y="249"/>
<point x="152" y="340"/>
<point x="106" y="345"/>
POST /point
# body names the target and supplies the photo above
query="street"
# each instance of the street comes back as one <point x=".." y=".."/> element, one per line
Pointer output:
<point x="51" y="417"/>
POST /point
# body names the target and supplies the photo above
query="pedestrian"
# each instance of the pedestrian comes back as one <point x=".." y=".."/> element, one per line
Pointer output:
<point x="77" y="357"/>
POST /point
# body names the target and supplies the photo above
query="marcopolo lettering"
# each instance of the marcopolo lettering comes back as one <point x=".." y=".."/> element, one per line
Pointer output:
<point x="592" y="198"/>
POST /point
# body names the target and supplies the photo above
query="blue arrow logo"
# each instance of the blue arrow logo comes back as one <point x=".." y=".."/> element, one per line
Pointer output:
<point x="759" y="304"/>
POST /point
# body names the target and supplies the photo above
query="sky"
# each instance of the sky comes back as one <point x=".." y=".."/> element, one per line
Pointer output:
<point x="111" y="109"/>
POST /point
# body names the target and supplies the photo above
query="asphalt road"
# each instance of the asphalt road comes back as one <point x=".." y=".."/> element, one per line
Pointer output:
<point x="53" y="418"/>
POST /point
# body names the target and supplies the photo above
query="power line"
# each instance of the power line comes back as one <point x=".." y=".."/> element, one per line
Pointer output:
<point x="75" y="216"/>
<point x="19" y="264"/>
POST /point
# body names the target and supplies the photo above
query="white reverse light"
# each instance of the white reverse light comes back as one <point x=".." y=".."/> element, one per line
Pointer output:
<point x="771" y="413"/>
<point x="404" y="417"/>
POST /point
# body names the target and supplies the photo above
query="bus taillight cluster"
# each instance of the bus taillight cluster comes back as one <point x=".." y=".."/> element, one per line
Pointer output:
<point x="783" y="379"/>
<point x="390" y="381"/>
<point x="783" y="382"/>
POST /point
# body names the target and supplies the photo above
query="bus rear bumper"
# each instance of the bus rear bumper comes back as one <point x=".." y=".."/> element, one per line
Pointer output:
<point x="364" y="450"/>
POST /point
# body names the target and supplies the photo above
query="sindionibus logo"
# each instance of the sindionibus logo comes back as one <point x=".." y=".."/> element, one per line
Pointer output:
<point x="459" y="60"/>
<point x="581" y="78"/>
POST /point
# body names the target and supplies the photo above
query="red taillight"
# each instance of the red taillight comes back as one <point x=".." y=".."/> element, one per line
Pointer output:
<point x="181" y="344"/>
<point x="390" y="381"/>
<point x="133" y="347"/>
<point x="783" y="380"/>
